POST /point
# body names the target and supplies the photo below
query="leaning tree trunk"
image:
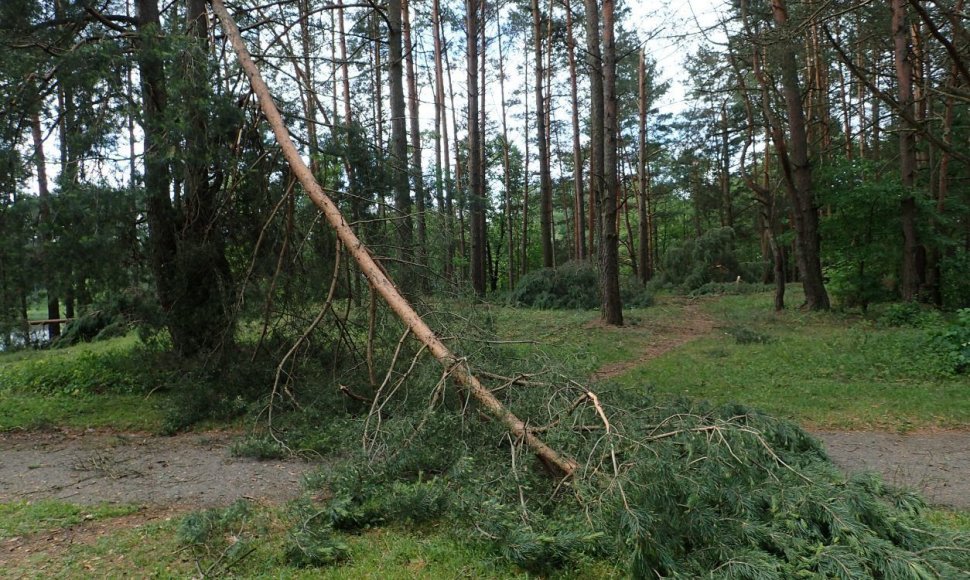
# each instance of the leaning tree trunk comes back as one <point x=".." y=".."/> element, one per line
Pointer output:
<point x="457" y="367"/>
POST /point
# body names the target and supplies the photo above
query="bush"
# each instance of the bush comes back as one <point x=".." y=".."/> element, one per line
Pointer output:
<point x="709" y="258"/>
<point x="955" y="276"/>
<point x="571" y="286"/>
<point x="118" y="368"/>
<point x="952" y="342"/>
<point x="911" y="314"/>
<point x="745" y="335"/>
<point x="260" y="447"/>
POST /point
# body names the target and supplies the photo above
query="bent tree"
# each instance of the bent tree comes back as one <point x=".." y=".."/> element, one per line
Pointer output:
<point x="454" y="366"/>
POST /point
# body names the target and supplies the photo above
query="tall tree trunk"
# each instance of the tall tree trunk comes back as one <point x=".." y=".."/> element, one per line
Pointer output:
<point x="157" y="174"/>
<point x="459" y="176"/>
<point x="40" y="160"/>
<point x="609" y="266"/>
<point x="442" y="189"/>
<point x="506" y="161"/>
<point x="911" y="278"/>
<point x="799" y="169"/>
<point x="475" y="178"/>
<point x="399" y="148"/>
<point x="344" y="66"/>
<point x="579" y="211"/>
<point x="545" y="177"/>
<point x="594" y="63"/>
<point x="643" y="222"/>
<point x="417" y="173"/>
<point x="527" y="175"/>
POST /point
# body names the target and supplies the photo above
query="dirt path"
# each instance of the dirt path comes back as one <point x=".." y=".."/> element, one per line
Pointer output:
<point x="692" y="324"/>
<point x="193" y="470"/>
<point x="166" y="475"/>
<point x="937" y="464"/>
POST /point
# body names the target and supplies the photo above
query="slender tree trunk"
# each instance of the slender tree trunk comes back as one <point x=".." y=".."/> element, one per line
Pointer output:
<point x="799" y="168"/>
<point x="612" y="311"/>
<point x="545" y="178"/>
<point x="595" y="65"/>
<point x="417" y="172"/>
<point x="40" y="160"/>
<point x="344" y="66"/>
<point x="442" y="147"/>
<point x="475" y="181"/>
<point x="579" y="211"/>
<point x="459" y="176"/>
<point x="506" y="161"/>
<point x="527" y="175"/>
<point x="643" y="220"/>
<point x="399" y="147"/>
<point x="379" y="281"/>
<point x="911" y="278"/>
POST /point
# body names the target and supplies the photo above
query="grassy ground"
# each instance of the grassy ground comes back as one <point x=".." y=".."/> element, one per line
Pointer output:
<point x="96" y="385"/>
<point x="822" y="370"/>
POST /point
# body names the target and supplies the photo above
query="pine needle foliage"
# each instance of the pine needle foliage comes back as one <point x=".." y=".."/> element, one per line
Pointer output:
<point x="668" y="488"/>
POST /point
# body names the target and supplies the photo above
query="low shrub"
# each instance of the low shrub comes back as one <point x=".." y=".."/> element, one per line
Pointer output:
<point x="746" y="335"/>
<point x="911" y="314"/>
<point x="710" y="258"/>
<point x="260" y="447"/>
<point x="573" y="286"/>
<point x="119" y="368"/>
<point x="952" y="342"/>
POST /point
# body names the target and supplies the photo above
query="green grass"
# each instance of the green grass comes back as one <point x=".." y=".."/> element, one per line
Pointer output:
<point x="21" y="411"/>
<point x="94" y="385"/>
<point x="154" y="550"/>
<point x="20" y="518"/>
<point x="820" y="369"/>
<point x="958" y="521"/>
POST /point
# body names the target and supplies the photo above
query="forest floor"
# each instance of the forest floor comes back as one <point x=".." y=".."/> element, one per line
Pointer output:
<point x="160" y="478"/>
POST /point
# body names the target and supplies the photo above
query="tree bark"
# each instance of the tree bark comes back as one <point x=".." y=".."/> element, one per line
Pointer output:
<point x="506" y="162"/>
<point x="157" y="174"/>
<point x="595" y="65"/>
<point x="40" y="160"/>
<point x="442" y="189"/>
<point x="643" y="222"/>
<point x="545" y="177"/>
<point x="475" y="169"/>
<point x="399" y="148"/>
<point x="911" y="278"/>
<point x="456" y="366"/>
<point x="579" y="211"/>
<point x="612" y="310"/>
<point x="798" y="171"/>
<point x="417" y="173"/>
